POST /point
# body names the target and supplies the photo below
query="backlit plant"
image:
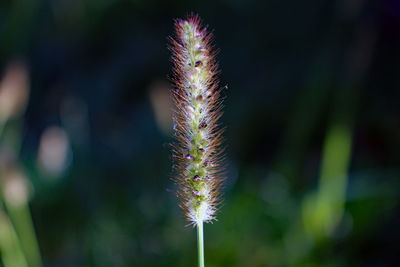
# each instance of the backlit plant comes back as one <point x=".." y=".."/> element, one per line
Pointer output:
<point x="197" y="152"/>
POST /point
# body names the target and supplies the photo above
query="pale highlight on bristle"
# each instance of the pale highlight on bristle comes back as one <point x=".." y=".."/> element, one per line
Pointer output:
<point x="197" y="152"/>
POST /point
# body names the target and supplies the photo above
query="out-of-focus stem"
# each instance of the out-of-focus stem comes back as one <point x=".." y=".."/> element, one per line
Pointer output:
<point x="10" y="247"/>
<point x="21" y="218"/>
<point x="19" y="224"/>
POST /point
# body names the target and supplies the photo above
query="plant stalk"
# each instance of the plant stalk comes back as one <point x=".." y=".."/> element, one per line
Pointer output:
<point x="200" y="243"/>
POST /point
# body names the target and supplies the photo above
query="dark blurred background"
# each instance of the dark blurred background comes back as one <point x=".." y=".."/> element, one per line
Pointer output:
<point x="313" y="134"/>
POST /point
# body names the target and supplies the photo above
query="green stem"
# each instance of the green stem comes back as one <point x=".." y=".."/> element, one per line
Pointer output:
<point x="200" y="243"/>
<point x="22" y="220"/>
<point x="11" y="251"/>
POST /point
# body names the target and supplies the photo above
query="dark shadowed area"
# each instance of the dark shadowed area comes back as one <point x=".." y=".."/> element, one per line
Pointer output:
<point x="313" y="134"/>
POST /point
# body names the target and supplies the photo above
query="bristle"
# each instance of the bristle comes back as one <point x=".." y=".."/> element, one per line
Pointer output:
<point x="197" y="151"/>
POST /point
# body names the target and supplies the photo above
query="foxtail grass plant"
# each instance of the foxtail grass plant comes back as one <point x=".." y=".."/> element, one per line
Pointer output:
<point x="197" y="152"/>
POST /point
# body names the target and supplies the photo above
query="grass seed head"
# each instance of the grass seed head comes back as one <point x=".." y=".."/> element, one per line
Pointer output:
<point x="197" y="152"/>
